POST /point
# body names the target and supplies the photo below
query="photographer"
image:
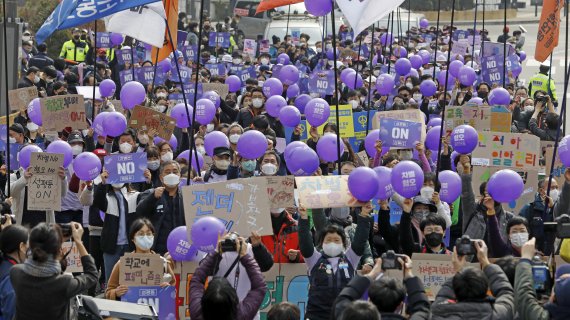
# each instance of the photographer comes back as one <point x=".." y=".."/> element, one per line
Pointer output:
<point x="551" y="120"/>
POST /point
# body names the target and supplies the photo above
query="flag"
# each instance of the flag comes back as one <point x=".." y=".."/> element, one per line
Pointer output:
<point x="171" y="9"/>
<point x="72" y="13"/>
<point x="548" y="29"/>
<point x="145" y="23"/>
<point x="363" y="13"/>
<point x="265" y="5"/>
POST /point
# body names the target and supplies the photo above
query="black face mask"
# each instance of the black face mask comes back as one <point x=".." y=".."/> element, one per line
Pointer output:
<point x="76" y="37"/>
<point x="231" y="104"/>
<point x="482" y="94"/>
<point x="83" y="37"/>
<point x="434" y="239"/>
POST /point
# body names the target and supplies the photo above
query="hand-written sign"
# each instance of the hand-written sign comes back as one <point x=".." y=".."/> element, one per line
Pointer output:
<point x="559" y="167"/>
<point x="507" y="150"/>
<point x="141" y="269"/>
<point x="221" y="89"/>
<point x="59" y="112"/>
<point x="400" y="133"/>
<point x="4" y="120"/>
<point x="346" y="120"/>
<point x="126" y="167"/>
<point x="146" y="118"/>
<point x="242" y="204"/>
<point x="281" y="191"/>
<point x="44" y="187"/>
<point x="20" y="98"/>
<point x="325" y="192"/>
<point x="407" y="115"/>
<point x="501" y="119"/>
<point x="73" y="259"/>
<point x="477" y="117"/>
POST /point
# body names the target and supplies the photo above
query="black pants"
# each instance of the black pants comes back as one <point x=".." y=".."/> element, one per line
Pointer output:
<point x="97" y="254"/>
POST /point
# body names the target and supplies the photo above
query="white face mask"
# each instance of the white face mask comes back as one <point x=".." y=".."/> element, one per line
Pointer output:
<point x="264" y="61"/>
<point x="85" y="132"/>
<point x="354" y="104"/>
<point x="32" y="126"/>
<point x="236" y="61"/>
<point x="427" y="192"/>
<point x="529" y="108"/>
<point x="153" y="165"/>
<point x="260" y="83"/>
<point x="125" y="147"/>
<point x="409" y="85"/>
<point x="76" y="150"/>
<point x="376" y="72"/>
<point x="276" y="212"/>
<point x="234" y="138"/>
<point x="117" y="185"/>
<point x="269" y="169"/>
<point x="332" y="249"/>
<point x="222" y="164"/>
<point x="171" y="180"/>
<point x="519" y="239"/>
<point x="144" y="242"/>
<point x="210" y="127"/>
<point x="328" y="46"/>
<point x="26" y="38"/>
<point x="257" y="103"/>
<point x="161" y="94"/>
<point x="160" y="108"/>
<point x="143" y="139"/>
<point x="12" y="140"/>
<point x="554" y="193"/>
<point x="201" y="150"/>
<point x="167" y="156"/>
<point x="319" y="50"/>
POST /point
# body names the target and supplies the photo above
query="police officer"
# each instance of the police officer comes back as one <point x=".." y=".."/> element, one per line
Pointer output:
<point x="74" y="49"/>
<point x="541" y="81"/>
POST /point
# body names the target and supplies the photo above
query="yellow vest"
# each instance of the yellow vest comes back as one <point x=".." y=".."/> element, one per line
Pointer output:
<point x="70" y="51"/>
<point x="540" y="82"/>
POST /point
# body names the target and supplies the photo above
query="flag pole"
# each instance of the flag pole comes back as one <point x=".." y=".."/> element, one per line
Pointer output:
<point x="94" y="73"/>
<point x="6" y="97"/>
<point x="474" y="33"/>
<point x="357" y="60"/>
<point x="436" y="38"/>
<point x="338" y="140"/>
<point x="391" y="42"/>
<point x="565" y="64"/>
<point x="370" y="82"/>
<point x="288" y="16"/>
<point x="505" y="44"/>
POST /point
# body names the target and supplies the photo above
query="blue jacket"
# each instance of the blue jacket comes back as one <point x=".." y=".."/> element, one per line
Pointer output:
<point x="7" y="295"/>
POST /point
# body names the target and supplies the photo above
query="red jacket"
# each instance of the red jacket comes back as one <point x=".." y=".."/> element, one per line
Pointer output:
<point x="280" y="244"/>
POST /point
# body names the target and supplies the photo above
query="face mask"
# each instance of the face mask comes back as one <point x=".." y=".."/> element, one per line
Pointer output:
<point x="269" y="169"/>
<point x="234" y="138"/>
<point x="354" y="104"/>
<point x="340" y="213"/>
<point x="434" y="239"/>
<point x="248" y="165"/>
<point x="420" y="215"/>
<point x="409" y="85"/>
<point x="171" y="180"/>
<point x="144" y="242"/>
<point x="143" y="139"/>
<point x="76" y="150"/>
<point x="482" y="94"/>
<point x="417" y="97"/>
<point x="12" y="140"/>
<point x="257" y="103"/>
<point x="201" y="150"/>
<point x="161" y="95"/>
<point x="160" y="108"/>
<point x="362" y="99"/>
<point x="117" y="185"/>
<point x="26" y="38"/>
<point x="153" y="165"/>
<point x="222" y="164"/>
<point x="519" y="239"/>
<point x="264" y="62"/>
<point x="32" y="126"/>
<point x="236" y="61"/>
<point x="376" y="73"/>
<point x="167" y="156"/>
<point x="331" y="63"/>
<point x="276" y="212"/>
<point x="319" y="50"/>
<point x="529" y="108"/>
<point x="76" y="37"/>
<point x="260" y="83"/>
<point x="36" y="79"/>
<point x="125" y="147"/>
<point x="427" y="192"/>
<point x="328" y="46"/>
<point x="332" y="249"/>
<point x="554" y="193"/>
<point x="209" y="127"/>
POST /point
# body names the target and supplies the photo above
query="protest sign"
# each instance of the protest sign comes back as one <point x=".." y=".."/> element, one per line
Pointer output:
<point x="146" y="118"/>
<point x="362" y="159"/>
<point x="221" y="89"/>
<point x="477" y="117"/>
<point x="492" y="68"/>
<point x="20" y="98"/>
<point x="221" y="39"/>
<point x="281" y="191"/>
<point x="320" y="82"/>
<point x="325" y="192"/>
<point x="141" y="269"/>
<point x="407" y="115"/>
<point x="507" y="150"/>
<point x="125" y="56"/>
<point x="559" y="167"/>
<point x="242" y="204"/>
<point x="146" y="75"/>
<point x="44" y="187"/>
<point x="346" y="120"/>
<point x="400" y="133"/>
<point x="10" y="120"/>
<point x="501" y="119"/>
<point x="60" y="112"/>
<point x="497" y="49"/>
<point x="126" y="76"/>
<point x="185" y="75"/>
<point x="103" y="40"/>
<point x="118" y="105"/>
<point x="460" y="47"/>
<point x="264" y="46"/>
<point x="126" y="167"/>
<point x="360" y="119"/>
<point x="216" y="69"/>
<point x="73" y="259"/>
<point x="189" y="52"/>
<point x="163" y="300"/>
<point x="249" y="47"/>
<point x="246" y="73"/>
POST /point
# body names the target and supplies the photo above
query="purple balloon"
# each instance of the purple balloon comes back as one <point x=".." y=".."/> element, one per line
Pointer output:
<point x="317" y="112"/>
<point x="165" y="65"/>
<point x="107" y="88"/>
<point x="272" y="87"/>
<point x="476" y="100"/>
<point x="61" y="146"/>
<point x="454" y="155"/>
<point x="442" y="76"/>
<point x="213" y="140"/>
<point x="386" y="39"/>
<point x="301" y="101"/>
<point x="350" y="80"/>
<point x="499" y="96"/>
<point x="434" y="122"/>
<point x="403" y="66"/>
<point x="289" y="74"/>
<point x="206" y="232"/>
<point x="213" y="96"/>
<point x="432" y="138"/>
<point x="252" y="144"/>
<point x="385" y="84"/>
<point x="564" y="151"/>
<point x="172" y="142"/>
<point x="290" y="116"/>
<point x="274" y="104"/>
<point x="522" y="56"/>
<point x="181" y="113"/>
<point x="467" y="76"/>
<point x="370" y="142"/>
<point x="425" y="56"/>
<point x="132" y="93"/>
<point x="233" y="82"/>
<point x="454" y="67"/>
<point x="178" y="245"/>
<point x="450" y="186"/>
<point x="516" y="69"/>
<point x="116" y="39"/>
<point x="505" y="186"/>
<point x="330" y="54"/>
<point x="35" y="111"/>
<point x="186" y="155"/>
<point x="205" y="111"/>
<point x="428" y="88"/>
<point x="327" y="147"/>
<point x="283" y="59"/>
<point x="401" y="52"/>
<point x="407" y="179"/>
<point x="25" y="154"/>
<point x="114" y="124"/>
<point x="384" y="178"/>
<point x="318" y="8"/>
<point x="293" y="91"/>
<point x="416" y="61"/>
<point x="303" y="161"/>
<point x="87" y="166"/>
<point x="458" y="57"/>
<point x="344" y="73"/>
<point x="292" y="146"/>
<point x="424" y="23"/>
<point x="464" y="139"/>
<point x="413" y="73"/>
<point x="363" y="184"/>
<point x="97" y="124"/>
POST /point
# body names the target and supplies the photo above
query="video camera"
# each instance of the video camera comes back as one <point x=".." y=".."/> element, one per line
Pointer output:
<point x="561" y="226"/>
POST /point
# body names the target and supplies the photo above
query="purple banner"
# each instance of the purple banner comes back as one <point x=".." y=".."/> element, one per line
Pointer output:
<point x="496" y="49"/>
<point x="126" y="76"/>
<point x="322" y="82"/>
<point x="264" y="46"/>
<point x="103" y="40"/>
<point x="216" y="69"/>
<point x="189" y="52"/>
<point x="245" y="74"/>
<point x="146" y="74"/>
<point x="400" y="133"/>
<point x="124" y="55"/>
<point x="460" y="34"/>
<point x="221" y="39"/>
<point x="188" y="91"/>
<point x="126" y="167"/>
<point x="181" y="37"/>
<point x="492" y="68"/>
<point x="185" y="73"/>
<point x="163" y="300"/>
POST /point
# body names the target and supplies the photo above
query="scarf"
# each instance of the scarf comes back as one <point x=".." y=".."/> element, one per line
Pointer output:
<point x="46" y="269"/>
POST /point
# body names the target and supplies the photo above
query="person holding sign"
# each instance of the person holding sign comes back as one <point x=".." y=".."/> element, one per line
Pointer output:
<point x="141" y="233"/>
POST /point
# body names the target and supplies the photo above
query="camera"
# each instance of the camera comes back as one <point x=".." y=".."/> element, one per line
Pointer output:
<point x="465" y="246"/>
<point x="543" y="99"/>
<point x="230" y="243"/>
<point x="541" y="276"/>
<point x="65" y="229"/>
<point x="563" y="227"/>
<point x="3" y="219"/>
<point x="390" y="260"/>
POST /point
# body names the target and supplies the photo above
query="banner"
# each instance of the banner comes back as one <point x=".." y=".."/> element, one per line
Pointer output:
<point x="189" y="52"/>
<point x="60" y="112"/>
<point x="145" y="75"/>
<point x="265" y="5"/>
<point x="400" y="133"/>
<point x="320" y="82"/>
<point x="146" y="118"/>
<point x="103" y="40"/>
<point x="360" y="119"/>
<point x="126" y="167"/>
<point x="141" y="269"/>
<point x="185" y="74"/>
<point x="124" y="56"/>
<point x="325" y="192"/>
<point x="144" y="23"/>
<point x="280" y="191"/>
<point x="126" y="76"/>
<point x="264" y="46"/>
<point x="363" y="13"/>
<point x="507" y="150"/>
<point x="221" y="39"/>
<point x="20" y="98"/>
<point x="549" y="29"/>
<point x="163" y="300"/>
<point x="346" y="120"/>
<point x="246" y="73"/>
<point x="44" y="187"/>
<point x="492" y="68"/>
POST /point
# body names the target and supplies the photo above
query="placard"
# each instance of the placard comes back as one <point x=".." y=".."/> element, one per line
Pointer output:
<point x="250" y="47"/>
<point x="20" y="98"/>
<point x="221" y="39"/>
<point x="73" y="259"/>
<point x="501" y="119"/>
<point x="44" y="187"/>
<point x="118" y="105"/>
<point x="141" y="269"/>
<point x="163" y="300"/>
<point x="507" y="150"/>
<point x="126" y="167"/>
<point x="13" y="116"/>
<point x="281" y="191"/>
<point x="241" y="204"/>
<point x="221" y="89"/>
<point x="146" y="118"/>
<point x="478" y="117"/>
<point x="400" y="133"/>
<point x="325" y="192"/>
<point x="408" y="115"/>
<point x="559" y="167"/>
<point x="103" y="40"/>
<point x="362" y="159"/>
<point x="346" y="120"/>
<point x="321" y="81"/>
<point x="60" y="112"/>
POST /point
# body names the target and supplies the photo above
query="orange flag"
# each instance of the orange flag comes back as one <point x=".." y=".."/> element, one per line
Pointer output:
<point x="171" y="9"/>
<point x="265" y="5"/>
<point x="548" y="29"/>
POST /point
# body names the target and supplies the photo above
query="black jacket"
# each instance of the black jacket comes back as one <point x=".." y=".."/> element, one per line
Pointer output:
<point x="40" y="61"/>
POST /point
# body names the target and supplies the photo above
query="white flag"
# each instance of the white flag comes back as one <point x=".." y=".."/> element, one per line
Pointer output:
<point x="363" y="13"/>
<point x="144" y="23"/>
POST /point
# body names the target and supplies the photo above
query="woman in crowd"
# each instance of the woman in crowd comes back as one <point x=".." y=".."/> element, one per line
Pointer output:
<point x="13" y="246"/>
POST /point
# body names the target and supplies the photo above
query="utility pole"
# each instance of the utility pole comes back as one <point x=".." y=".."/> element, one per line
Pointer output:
<point x="10" y="41"/>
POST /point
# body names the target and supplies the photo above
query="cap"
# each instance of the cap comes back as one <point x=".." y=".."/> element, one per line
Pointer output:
<point x="221" y="151"/>
<point x="75" y="30"/>
<point x="74" y="137"/>
<point x="100" y="152"/>
<point x="425" y="201"/>
<point x="16" y="127"/>
<point x="546" y="63"/>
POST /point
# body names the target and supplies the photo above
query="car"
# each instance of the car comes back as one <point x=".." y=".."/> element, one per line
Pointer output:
<point x="295" y="26"/>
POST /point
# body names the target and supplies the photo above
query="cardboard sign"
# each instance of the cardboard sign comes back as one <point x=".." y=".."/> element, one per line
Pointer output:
<point x="507" y="150"/>
<point x="126" y="168"/>
<point x="20" y="98"/>
<point x="559" y="167"/>
<point x="146" y="118"/>
<point x="242" y="205"/>
<point x="325" y="192"/>
<point x="501" y="119"/>
<point x="44" y="187"/>
<point x="482" y="118"/>
<point x="73" y="258"/>
<point x="407" y="115"/>
<point x="10" y="120"/>
<point x="400" y="133"/>
<point x="60" y="112"/>
<point x="281" y="191"/>
<point x="141" y="269"/>
<point x="161" y="299"/>
<point x="118" y="105"/>
<point x="362" y="159"/>
<point x="221" y="89"/>
<point x="346" y="120"/>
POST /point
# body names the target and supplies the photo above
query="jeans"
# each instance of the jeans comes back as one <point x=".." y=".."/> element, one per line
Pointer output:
<point x="111" y="259"/>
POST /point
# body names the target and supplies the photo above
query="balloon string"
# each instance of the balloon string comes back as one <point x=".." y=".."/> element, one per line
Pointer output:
<point x="505" y="44"/>
<point x="94" y="73"/>
<point x="370" y="82"/>
<point x="436" y="37"/>
<point x="357" y="60"/>
<point x="5" y="20"/>
<point x="335" y="88"/>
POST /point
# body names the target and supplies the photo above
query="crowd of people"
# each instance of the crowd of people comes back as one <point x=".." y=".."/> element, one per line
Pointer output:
<point x="345" y="251"/>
